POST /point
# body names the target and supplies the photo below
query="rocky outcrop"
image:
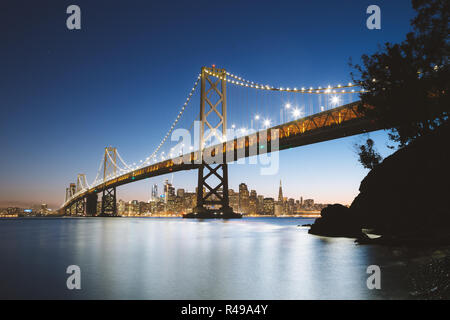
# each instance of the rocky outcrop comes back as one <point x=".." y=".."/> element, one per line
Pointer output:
<point x="337" y="221"/>
<point x="407" y="193"/>
<point x="404" y="197"/>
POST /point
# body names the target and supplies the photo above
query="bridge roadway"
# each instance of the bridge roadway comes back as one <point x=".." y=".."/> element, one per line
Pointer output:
<point x="332" y="124"/>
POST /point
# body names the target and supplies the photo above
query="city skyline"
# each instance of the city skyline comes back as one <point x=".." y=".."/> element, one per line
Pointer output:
<point x="152" y="196"/>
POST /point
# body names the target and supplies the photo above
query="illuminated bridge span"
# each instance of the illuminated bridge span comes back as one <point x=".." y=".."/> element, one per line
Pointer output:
<point x="215" y="147"/>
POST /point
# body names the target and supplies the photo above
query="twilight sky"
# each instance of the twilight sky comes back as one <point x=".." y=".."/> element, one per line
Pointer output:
<point x="121" y="79"/>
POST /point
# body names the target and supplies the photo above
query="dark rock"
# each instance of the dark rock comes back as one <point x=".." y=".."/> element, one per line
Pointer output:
<point x="403" y="198"/>
<point x="405" y="194"/>
<point x="337" y="221"/>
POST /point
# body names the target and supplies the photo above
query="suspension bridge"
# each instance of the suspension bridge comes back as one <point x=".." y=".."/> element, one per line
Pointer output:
<point x="303" y="115"/>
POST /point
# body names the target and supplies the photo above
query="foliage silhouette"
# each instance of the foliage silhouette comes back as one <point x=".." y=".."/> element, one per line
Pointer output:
<point x="368" y="156"/>
<point x="408" y="83"/>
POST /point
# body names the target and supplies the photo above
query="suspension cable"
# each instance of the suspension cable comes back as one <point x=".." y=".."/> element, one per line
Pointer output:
<point x="318" y="90"/>
<point x="183" y="108"/>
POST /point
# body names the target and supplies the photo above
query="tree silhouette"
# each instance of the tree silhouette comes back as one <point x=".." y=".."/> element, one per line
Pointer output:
<point x="368" y="156"/>
<point x="408" y="83"/>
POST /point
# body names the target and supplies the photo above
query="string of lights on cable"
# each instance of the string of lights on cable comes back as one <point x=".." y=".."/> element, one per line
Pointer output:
<point x="236" y="80"/>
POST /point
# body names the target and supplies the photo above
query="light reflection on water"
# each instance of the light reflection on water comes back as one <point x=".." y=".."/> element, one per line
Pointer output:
<point x="172" y="258"/>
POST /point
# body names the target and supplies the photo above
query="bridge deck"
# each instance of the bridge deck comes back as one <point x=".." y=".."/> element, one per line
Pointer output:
<point x="328" y="125"/>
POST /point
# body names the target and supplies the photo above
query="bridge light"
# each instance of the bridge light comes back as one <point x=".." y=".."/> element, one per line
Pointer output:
<point x="257" y="117"/>
<point x="296" y="113"/>
<point x="335" y="100"/>
<point x="233" y="126"/>
<point x="287" y="105"/>
<point x="267" y="122"/>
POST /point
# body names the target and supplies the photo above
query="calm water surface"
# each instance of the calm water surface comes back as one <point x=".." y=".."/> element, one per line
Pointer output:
<point x="173" y="258"/>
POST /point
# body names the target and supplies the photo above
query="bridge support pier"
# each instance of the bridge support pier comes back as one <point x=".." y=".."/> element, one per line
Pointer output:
<point x="213" y="201"/>
<point x="73" y="209"/>
<point x="91" y="204"/>
<point x="80" y="207"/>
<point x="109" y="207"/>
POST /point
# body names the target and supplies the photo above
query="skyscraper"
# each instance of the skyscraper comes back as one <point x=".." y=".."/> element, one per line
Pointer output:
<point x="180" y="193"/>
<point x="269" y="206"/>
<point x="234" y="200"/>
<point x="154" y="195"/>
<point x="169" y="191"/>
<point x="280" y="194"/>
<point x="243" y="198"/>
<point x="253" y="203"/>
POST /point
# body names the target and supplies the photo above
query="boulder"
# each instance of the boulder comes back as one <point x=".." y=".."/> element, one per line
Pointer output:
<point x="337" y="221"/>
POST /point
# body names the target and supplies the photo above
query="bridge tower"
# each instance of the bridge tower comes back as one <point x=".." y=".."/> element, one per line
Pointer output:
<point x="212" y="187"/>
<point x="109" y="207"/>
<point x="81" y="182"/>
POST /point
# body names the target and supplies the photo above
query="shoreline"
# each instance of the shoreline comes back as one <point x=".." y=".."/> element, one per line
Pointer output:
<point x="311" y="216"/>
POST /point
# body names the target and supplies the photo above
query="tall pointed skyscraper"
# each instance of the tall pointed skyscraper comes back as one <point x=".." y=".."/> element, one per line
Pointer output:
<point x="280" y="194"/>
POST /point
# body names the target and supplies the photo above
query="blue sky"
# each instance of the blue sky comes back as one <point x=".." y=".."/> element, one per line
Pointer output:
<point x="121" y="79"/>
